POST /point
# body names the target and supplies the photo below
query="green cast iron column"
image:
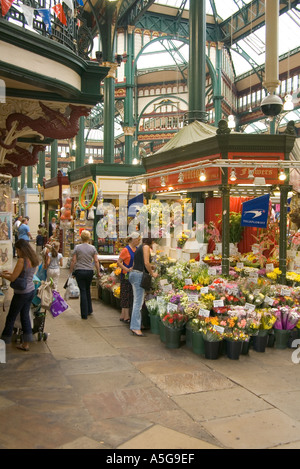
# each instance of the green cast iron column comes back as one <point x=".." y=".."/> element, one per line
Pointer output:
<point x="23" y="177"/>
<point x="128" y="103"/>
<point x="80" y="146"/>
<point x="30" y="177"/>
<point x="225" y="188"/>
<point x="197" y="60"/>
<point x="54" y="157"/>
<point x="41" y="167"/>
<point x="217" y="93"/>
<point x="109" y="111"/>
<point x="284" y="189"/>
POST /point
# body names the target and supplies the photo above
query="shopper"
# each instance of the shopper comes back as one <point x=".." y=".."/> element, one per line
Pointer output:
<point x="16" y="232"/>
<point x="21" y="301"/>
<point x="141" y="263"/>
<point x="125" y="262"/>
<point x="23" y="230"/>
<point x="84" y="260"/>
<point x="54" y="261"/>
<point x="39" y="241"/>
<point x="52" y="227"/>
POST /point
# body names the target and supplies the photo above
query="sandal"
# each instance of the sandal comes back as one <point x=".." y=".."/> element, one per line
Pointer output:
<point x="21" y="347"/>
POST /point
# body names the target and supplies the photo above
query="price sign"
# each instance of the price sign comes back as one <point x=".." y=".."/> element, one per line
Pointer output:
<point x="204" y="290"/>
<point x="285" y="292"/>
<point x="193" y="297"/>
<point x="218" y="303"/>
<point x="171" y="307"/>
<point x="249" y="306"/>
<point x="269" y="300"/>
<point x="204" y="313"/>
<point x="167" y="288"/>
<point x="163" y="282"/>
<point x="212" y="271"/>
<point x="188" y="281"/>
<point x="219" y="329"/>
<point x="269" y="267"/>
<point x="240" y="265"/>
<point x="160" y="300"/>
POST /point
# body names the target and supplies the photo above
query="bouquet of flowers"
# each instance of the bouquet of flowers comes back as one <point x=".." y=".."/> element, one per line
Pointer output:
<point x="286" y="318"/>
<point x="268" y="318"/>
<point x="182" y="240"/>
<point x="212" y="331"/>
<point x="235" y="328"/>
<point x="117" y="291"/>
<point x="152" y="306"/>
<point x="174" y="320"/>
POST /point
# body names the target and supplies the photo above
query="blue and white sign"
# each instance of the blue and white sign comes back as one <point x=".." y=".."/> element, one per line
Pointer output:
<point x="255" y="212"/>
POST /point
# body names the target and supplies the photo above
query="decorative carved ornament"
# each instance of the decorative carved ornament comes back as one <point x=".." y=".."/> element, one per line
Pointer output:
<point x="21" y="118"/>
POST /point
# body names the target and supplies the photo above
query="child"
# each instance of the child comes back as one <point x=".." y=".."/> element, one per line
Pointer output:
<point x="54" y="261"/>
<point x="39" y="241"/>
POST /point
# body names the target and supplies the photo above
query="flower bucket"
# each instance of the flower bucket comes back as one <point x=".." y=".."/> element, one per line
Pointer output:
<point x="173" y="337"/>
<point x="106" y="296"/>
<point x="162" y="331"/>
<point x="260" y="342"/>
<point x="112" y="299"/>
<point x="188" y="336"/>
<point x="245" y="347"/>
<point x="198" y="343"/>
<point x="154" y="323"/>
<point x="271" y="339"/>
<point x="211" y="350"/>
<point x="281" y="338"/>
<point x="234" y="349"/>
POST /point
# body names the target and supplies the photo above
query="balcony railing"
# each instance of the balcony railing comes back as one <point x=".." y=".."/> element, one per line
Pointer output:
<point x="74" y="34"/>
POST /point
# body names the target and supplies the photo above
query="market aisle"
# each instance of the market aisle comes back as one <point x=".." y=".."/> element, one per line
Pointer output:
<point x="94" y="385"/>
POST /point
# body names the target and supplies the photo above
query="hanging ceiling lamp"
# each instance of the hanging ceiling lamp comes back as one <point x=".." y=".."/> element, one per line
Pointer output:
<point x="282" y="175"/>
<point x="181" y="178"/>
<point x="288" y="103"/>
<point x="162" y="182"/>
<point x="202" y="176"/>
<point x="231" y="121"/>
<point x="233" y="176"/>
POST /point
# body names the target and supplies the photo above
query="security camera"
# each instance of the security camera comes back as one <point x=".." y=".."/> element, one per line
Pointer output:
<point x="271" y="105"/>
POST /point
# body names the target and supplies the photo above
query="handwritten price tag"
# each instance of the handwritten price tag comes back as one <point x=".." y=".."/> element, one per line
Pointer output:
<point x="193" y="297"/>
<point x="167" y="288"/>
<point x="219" y="329"/>
<point x="163" y="282"/>
<point x="285" y="292"/>
<point x="171" y="307"/>
<point x="269" y="301"/>
<point x="218" y="303"/>
<point x="188" y="281"/>
<point x="205" y="313"/>
<point x="212" y="271"/>
<point x="204" y="290"/>
<point x="240" y="265"/>
<point x="249" y="306"/>
<point x="269" y="267"/>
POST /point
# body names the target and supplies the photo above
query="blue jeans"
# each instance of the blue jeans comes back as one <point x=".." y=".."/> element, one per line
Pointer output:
<point x="20" y="303"/>
<point x="84" y="279"/>
<point x="135" y="279"/>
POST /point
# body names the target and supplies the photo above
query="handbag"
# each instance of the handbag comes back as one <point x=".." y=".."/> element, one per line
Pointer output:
<point x="20" y="283"/>
<point x="146" y="278"/>
<point x="58" y="305"/>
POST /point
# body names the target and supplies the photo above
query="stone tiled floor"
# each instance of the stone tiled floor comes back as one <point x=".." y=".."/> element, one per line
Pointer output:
<point x="93" y="385"/>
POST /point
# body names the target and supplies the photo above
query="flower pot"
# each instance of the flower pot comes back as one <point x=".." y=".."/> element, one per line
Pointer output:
<point x="173" y="337"/>
<point x="198" y="343"/>
<point x="260" y="343"/>
<point x="271" y="339"/>
<point x="106" y="296"/>
<point x="211" y="350"/>
<point x="245" y="347"/>
<point x="281" y="338"/>
<point x="234" y="349"/>
<point x="154" y="323"/>
<point x="162" y="331"/>
<point x="188" y="336"/>
<point x="112" y="299"/>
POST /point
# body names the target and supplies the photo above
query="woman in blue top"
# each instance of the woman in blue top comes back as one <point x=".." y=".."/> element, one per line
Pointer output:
<point x="24" y="231"/>
<point x="21" y="301"/>
<point x="125" y="262"/>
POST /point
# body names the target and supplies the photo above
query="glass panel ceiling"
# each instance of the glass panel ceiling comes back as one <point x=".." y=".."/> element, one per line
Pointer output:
<point x="253" y="45"/>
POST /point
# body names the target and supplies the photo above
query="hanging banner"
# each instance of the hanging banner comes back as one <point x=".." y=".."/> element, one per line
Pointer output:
<point x="255" y="212"/>
<point x="28" y="12"/>
<point x="5" y="6"/>
<point x="46" y="16"/>
<point x="59" y="11"/>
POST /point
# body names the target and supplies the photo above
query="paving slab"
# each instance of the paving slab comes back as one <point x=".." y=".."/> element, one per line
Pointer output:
<point x="257" y="430"/>
<point x="287" y="402"/>
<point x="159" y="437"/>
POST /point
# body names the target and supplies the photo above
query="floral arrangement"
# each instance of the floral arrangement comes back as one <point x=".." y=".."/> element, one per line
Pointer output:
<point x="152" y="306"/>
<point x="174" y="320"/>
<point x="295" y="241"/>
<point x="204" y="233"/>
<point x="285" y="318"/>
<point x="182" y="240"/>
<point x="117" y="291"/>
<point x="235" y="328"/>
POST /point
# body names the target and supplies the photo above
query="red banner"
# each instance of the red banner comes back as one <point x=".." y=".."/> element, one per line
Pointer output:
<point x="5" y="6"/>
<point x="60" y="13"/>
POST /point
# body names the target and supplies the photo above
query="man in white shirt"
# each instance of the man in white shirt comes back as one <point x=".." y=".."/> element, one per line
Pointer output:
<point x="16" y="233"/>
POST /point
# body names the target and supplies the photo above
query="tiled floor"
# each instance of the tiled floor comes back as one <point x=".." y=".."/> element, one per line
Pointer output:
<point x="94" y="385"/>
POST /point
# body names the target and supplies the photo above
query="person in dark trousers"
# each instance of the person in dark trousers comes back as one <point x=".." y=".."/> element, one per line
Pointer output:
<point x="83" y="263"/>
<point x="21" y="301"/>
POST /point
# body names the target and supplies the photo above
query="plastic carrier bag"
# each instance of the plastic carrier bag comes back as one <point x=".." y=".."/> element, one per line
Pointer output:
<point x="72" y="290"/>
<point x="58" y="305"/>
<point x="45" y="294"/>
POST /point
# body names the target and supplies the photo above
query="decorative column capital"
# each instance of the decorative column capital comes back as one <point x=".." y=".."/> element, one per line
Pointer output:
<point x="129" y="131"/>
<point x="112" y="69"/>
<point x="130" y="29"/>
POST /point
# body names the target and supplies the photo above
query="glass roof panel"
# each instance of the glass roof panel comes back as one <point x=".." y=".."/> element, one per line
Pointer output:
<point x="164" y="54"/>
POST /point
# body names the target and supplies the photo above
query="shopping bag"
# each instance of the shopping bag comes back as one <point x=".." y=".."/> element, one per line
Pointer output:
<point x="58" y="305"/>
<point x="72" y="290"/>
<point x="41" y="273"/>
<point x="44" y="293"/>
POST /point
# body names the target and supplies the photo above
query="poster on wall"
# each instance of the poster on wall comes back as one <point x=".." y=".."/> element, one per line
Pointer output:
<point x="5" y="198"/>
<point x="5" y="227"/>
<point x="6" y="255"/>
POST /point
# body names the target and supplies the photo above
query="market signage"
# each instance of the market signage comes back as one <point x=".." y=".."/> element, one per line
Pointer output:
<point x="255" y="212"/>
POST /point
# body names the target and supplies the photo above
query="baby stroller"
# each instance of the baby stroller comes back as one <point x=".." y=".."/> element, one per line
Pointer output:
<point x="38" y="317"/>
